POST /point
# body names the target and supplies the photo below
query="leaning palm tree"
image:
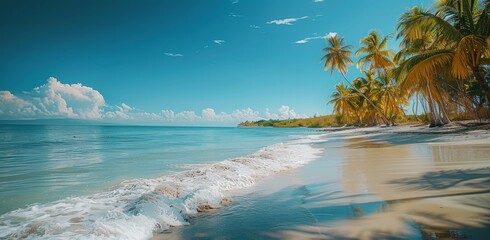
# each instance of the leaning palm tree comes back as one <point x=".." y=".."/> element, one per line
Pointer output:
<point x="390" y="96"/>
<point x="344" y="104"/>
<point x="337" y="57"/>
<point x="367" y="114"/>
<point x="461" y="40"/>
<point x="376" y="55"/>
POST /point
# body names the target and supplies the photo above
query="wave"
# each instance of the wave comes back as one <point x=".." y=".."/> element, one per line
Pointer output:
<point x="139" y="208"/>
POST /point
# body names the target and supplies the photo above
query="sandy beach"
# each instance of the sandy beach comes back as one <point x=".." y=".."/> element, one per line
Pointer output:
<point x="405" y="182"/>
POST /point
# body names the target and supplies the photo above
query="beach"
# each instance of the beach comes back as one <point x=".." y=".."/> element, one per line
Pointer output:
<point x="406" y="182"/>
<point x="245" y="120"/>
<point x="128" y="182"/>
<point x="403" y="182"/>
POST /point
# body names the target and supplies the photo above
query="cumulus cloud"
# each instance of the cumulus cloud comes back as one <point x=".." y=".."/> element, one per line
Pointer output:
<point x="210" y="115"/>
<point x="326" y="36"/>
<point x="318" y="1"/>
<point x="12" y="106"/>
<point x="284" y="112"/>
<point x="287" y="21"/>
<point x="246" y="114"/>
<point x="58" y="100"/>
<point x="53" y="100"/>
<point x="269" y="115"/>
<point x="68" y="100"/>
<point x="174" y="54"/>
<point x="254" y="26"/>
<point x="219" y="42"/>
<point x="122" y="112"/>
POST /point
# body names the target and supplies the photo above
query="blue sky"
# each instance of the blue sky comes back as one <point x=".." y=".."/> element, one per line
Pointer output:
<point x="153" y="60"/>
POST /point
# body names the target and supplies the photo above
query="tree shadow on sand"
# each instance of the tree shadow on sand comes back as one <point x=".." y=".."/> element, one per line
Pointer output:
<point x="313" y="211"/>
<point x="440" y="180"/>
<point x="454" y="205"/>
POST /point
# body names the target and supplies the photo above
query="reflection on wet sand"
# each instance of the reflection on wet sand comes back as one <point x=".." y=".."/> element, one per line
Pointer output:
<point x="409" y="191"/>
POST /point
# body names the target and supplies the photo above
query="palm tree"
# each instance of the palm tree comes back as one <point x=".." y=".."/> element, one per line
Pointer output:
<point x="367" y="114"/>
<point x="461" y="40"/>
<point x="390" y="96"/>
<point x="414" y="51"/>
<point x="343" y="102"/>
<point x="337" y="57"/>
<point x="376" y="55"/>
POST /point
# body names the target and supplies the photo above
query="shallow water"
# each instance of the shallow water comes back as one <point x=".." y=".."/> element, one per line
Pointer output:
<point x="124" y="182"/>
<point x="361" y="189"/>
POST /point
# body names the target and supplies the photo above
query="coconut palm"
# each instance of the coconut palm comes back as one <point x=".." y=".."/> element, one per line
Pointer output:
<point x="390" y="96"/>
<point x="343" y="102"/>
<point x="376" y="55"/>
<point x="337" y="57"/>
<point x="367" y="114"/>
<point x="460" y="30"/>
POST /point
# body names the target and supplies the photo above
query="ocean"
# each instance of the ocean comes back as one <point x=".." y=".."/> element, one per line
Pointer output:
<point x="125" y="182"/>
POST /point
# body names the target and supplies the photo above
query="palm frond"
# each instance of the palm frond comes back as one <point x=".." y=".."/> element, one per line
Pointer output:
<point x="468" y="55"/>
<point x="417" y="69"/>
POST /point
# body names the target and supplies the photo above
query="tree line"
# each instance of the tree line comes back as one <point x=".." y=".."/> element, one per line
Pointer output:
<point x="442" y="65"/>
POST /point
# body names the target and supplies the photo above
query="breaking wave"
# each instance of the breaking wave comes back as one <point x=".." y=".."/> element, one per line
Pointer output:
<point x="138" y="208"/>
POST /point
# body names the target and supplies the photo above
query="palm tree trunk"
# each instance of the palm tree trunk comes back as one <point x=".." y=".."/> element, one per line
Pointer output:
<point x="385" y="120"/>
<point x="483" y="84"/>
<point x="442" y="109"/>
<point x="444" y="116"/>
<point x="434" y="118"/>
<point x="387" y="105"/>
<point x="416" y="105"/>
<point x="424" y="107"/>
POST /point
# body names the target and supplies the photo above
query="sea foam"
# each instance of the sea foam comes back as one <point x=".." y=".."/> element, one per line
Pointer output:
<point x="138" y="208"/>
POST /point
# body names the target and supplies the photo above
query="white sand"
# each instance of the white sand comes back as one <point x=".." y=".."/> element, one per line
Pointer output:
<point x="441" y="194"/>
<point x="405" y="182"/>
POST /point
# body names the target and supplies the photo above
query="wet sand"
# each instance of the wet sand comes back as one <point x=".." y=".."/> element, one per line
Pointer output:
<point x="374" y="183"/>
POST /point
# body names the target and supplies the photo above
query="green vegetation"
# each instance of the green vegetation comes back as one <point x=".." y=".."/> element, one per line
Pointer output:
<point x="441" y="68"/>
<point x="323" y="121"/>
<point x="443" y="65"/>
<point x="315" y="122"/>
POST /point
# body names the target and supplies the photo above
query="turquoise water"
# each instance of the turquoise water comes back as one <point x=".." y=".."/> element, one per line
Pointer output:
<point x="40" y="164"/>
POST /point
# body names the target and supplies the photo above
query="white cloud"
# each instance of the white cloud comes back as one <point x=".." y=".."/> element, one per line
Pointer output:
<point x="235" y="1"/>
<point x="186" y="115"/>
<point x="234" y="15"/>
<point x="210" y="115"/>
<point x="174" y="54"/>
<point x="245" y="114"/>
<point x="13" y="106"/>
<point x="326" y="36"/>
<point x="121" y="112"/>
<point x="54" y="99"/>
<point x="219" y="42"/>
<point x="69" y="100"/>
<point x="287" y="21"/>
<point x="318" y="1"/>
<point x="254" y="26"/>
<point x="168" y="114"/>
<point x="284" y="112"/>
<point x="269" y="115"/>
<point x="58" y="100"/>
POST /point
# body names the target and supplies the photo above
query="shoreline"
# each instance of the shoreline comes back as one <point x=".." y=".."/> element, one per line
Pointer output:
<point x="320" y="181"/>
<point x="137" y="208"/>
<point x="374" y="183"/>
